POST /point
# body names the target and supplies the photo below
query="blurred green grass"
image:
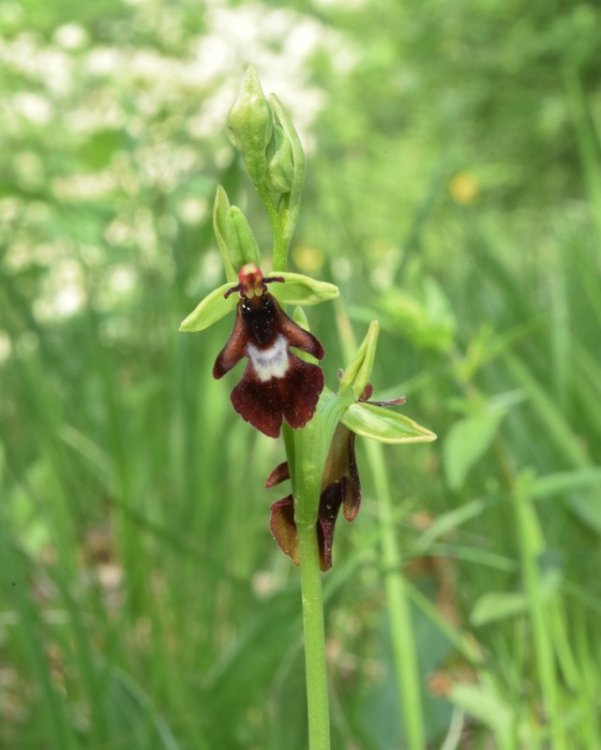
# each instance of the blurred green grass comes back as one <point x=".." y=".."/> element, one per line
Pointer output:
<point x="453" y="192"/>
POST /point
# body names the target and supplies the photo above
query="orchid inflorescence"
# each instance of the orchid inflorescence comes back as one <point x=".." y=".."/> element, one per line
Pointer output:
<point x="278" y="386"/>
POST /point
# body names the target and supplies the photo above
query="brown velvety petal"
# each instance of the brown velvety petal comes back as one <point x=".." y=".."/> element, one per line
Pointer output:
<point x="298" y="337"/>
<point x="234" y="349"/>
<point x="283" y="527"/>
<point x="329" y="505"/>
<point x="352" y="490"/>
<point x="278" y="475"/>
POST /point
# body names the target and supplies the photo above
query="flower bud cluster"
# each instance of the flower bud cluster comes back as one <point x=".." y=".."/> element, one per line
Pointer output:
<point x="267" y="140"/>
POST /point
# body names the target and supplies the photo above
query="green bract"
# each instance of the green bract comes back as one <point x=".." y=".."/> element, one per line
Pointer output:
<point x="384" y="425"/>
<point x="357" y="374"/>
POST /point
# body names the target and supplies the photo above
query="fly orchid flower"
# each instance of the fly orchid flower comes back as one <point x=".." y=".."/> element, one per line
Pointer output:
<point x="276" y="384"/>
<point x="340" y="486"/>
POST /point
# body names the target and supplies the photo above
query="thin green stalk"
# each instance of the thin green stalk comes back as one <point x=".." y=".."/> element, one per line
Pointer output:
<point x="306" y="451"/>
<point x="314" y="637"/>
<point x="399" y="613"/>
<point x="306" y="459"/>
<point x="280" y="242"/>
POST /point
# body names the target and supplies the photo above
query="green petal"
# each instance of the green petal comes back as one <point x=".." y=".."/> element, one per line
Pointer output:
<point x="241" y="240"/>
<point x="384" y="425"/>
<point x="212" y="308"/>
<point x="298" y="289"/>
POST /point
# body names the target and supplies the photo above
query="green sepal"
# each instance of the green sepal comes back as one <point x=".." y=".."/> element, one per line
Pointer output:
<point x="241" y="242"/>
<point x="357" y="374"/>
<point x="299" y="289"/>
<point x="384" y="425"/>
<point x="211" y="309"/>
<point x="221" y="206"/>
<point x="250" y="126"/>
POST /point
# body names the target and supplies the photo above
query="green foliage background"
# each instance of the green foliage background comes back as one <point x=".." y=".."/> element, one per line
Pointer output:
<point x="453" y="192"/>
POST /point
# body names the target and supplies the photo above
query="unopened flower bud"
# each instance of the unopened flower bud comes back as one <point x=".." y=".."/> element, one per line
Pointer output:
<point x="250" y="126"/>
<point x="280" y="170"/>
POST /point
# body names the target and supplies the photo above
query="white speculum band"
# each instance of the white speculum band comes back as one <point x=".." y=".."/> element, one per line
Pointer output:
<point x="272" y="362"/>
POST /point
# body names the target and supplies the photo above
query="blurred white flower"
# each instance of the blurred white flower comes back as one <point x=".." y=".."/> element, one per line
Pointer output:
<point x="63" y="292"/>
<point x="121" y="279"/>
<point x="211" y="271"/>
<point x="71" y="36"/>
<point x="89" y="186"/>
<point x="103" y="61"/>
<point x="192" y="210"/>
<point x="33" y="107"/>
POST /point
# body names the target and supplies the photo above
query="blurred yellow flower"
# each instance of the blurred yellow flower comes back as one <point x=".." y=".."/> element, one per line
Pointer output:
<point x="307" y="259"/>
<point x="464" y="188"/>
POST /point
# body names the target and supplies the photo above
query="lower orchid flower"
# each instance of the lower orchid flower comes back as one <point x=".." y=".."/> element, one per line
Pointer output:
<point x="340" y="486"/>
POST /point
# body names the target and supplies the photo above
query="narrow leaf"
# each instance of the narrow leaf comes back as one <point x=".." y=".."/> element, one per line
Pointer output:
<point x="497" y="606"/>
<point x="484" y="703"/>
<point x="466" y="442"/>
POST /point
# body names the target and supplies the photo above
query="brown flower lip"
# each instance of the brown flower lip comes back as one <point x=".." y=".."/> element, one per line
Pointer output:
<point x="276" y="384"/>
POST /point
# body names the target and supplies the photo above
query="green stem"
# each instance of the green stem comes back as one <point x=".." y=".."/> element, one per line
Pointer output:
<point x="315" y="644"/>
<point x="280" y="241"/>
<point x="306" y="456"/>
<point x="399" y="613"/>
<point x="280" y="253"/>
<point x="306" y="451"/>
